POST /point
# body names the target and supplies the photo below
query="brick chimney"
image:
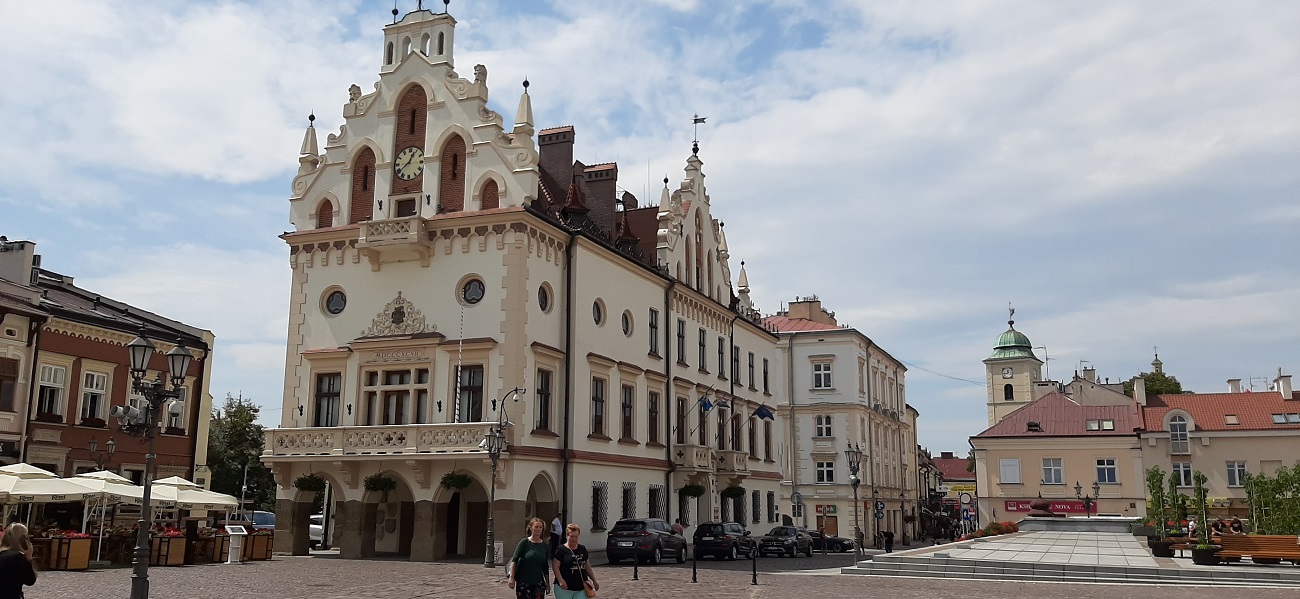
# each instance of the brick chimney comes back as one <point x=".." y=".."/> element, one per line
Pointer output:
<point x="18" y="261"/>
<point x="810" y="308"/>
<point x="602" y="182"/>
<point x="1282" y="384"/>
<point x="1140" y="391"/>
<point x="555" y="149"/>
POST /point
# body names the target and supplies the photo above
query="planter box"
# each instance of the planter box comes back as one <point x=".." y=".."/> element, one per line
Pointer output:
<point x="1145" y="531"/>
<point x="258" y="547"/>
<point x="68" y="554"/>
<point x="167" y="551"/>
<point x="1160" y="548"/>
<point x="1206" y="557"/>
<point x="220" y="548"/>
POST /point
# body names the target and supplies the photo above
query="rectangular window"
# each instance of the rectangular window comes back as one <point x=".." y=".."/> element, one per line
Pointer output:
<point x="328" y="386"/>
<point x="1009" y="471"/>
<point x="94" y="387"/>
<point x="771" y="506"/>
<point x="735" y="431"/>
<point x="49" y="399"/>
<point x="767" y="440"/>
<point x="656" y="497"/>
<point x="722" y="357"/>
<point x="751" y="372"/>
<point x="597" y="406"/>
<point x="756" y="499"/>
<point x="543" y="399"/>
<point x="703" y="425"/>
<point x="753" y="442"/>
<point x="735" y="363"/>
<point x="681" y="341"/>
<point x="653" y="327"/>
<point x="825" y="472"/>
<point x="652" y="417"/>
<point x="629" y="500"/>
<point x="722" y="430"/>
<point x="599" y="504"/>
<point x="470" y="406"/>
<point x="704" y="350"/>
<point x="8" y="383"/>
<point x="395" y="406"/>
<point x="1094" y="425"/>
<point x="822" y="375"/>
<point x="1107" y="471"/>
<point x="1236" y="474"/>
<point x="1052" y="471"/>
<point x="681" y="420"/>
<point x="626" y="405"/>
<point x="1108" y="425"/>
<point x="796" y="510"/>
<point x="1184" y="472"/>
<point x="765" y="375"/>
<point x="823" y="427"/>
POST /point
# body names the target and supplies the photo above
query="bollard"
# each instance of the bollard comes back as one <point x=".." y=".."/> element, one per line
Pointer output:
<point x="753" y="560"/>
<point x="695" y="562"/>
<point x="636" y="573"/>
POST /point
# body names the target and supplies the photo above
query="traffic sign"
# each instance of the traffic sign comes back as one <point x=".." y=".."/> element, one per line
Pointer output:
<point x="880" y="515"/>
<point x="965" y="515"/>
<point x="880" y="505"/>
<point x="965" y="498"/>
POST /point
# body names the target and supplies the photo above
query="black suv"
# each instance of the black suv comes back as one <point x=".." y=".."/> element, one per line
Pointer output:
<point x="786" y="540"/>
<point x="830" y="542"/>
<point x="724" y="540"/>
<point x="644" y="539"/>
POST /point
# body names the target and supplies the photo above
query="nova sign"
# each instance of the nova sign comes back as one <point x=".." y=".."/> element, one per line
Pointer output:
<point x="1058" y="506"/>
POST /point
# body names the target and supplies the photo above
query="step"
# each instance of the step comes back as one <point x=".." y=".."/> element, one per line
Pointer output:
<point x="1077" y="573"/>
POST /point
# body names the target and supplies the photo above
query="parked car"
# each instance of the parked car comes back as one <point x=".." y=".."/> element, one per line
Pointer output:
<point x="724" y="540"/>
<point x="830" y="542"/>
<point x="316" y="531"/>
<point x="645" y="540"/>
<point x="261" y="520"/>
<point x="786" y="540"/>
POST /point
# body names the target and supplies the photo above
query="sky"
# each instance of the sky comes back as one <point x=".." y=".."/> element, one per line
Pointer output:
<point x="1126" y="174"/>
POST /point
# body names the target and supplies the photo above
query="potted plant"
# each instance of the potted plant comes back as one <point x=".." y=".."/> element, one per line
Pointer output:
<point x="1204" y="553"/>
<point x="381" y="483"/>
<point x="1157" y="507"/>
<point x="691" y="490"/>
<point x="733" y="492"/>
<point x="310" y="482"/>
<point x="69" y="550"/>
<point x="455" y="480"/>
<point x="167" y="547"/>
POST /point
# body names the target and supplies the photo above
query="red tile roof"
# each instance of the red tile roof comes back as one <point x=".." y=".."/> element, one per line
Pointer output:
<point x="953" y="469"/>
<point x="785" y="324"/>
<point x="1059" y="416"/>
<point x="1253" y="410"/>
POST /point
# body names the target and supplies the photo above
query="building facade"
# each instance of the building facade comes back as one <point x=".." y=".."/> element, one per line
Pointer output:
<point x="452" y="275"/>
<point x="80" y="368"/>
<point x="844" y="390"/>
<point x="21" y="318"/>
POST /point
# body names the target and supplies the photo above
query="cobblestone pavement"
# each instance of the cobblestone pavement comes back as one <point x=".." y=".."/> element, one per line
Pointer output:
<point x="333" y="578"/>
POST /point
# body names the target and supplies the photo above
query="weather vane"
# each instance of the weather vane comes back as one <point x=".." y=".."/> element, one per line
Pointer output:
<point x="697" y="121"/>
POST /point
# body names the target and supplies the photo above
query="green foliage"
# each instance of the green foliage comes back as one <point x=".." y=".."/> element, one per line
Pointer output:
<point x="1275" y="501"/>
<point x="1199" y="495"/>
<point x="380" y="483"/>
<point x="455" y="480"/>
<point x="310" y="482"/>
<point x="733" y="492"/>
<point x="235" y="440"/>
<point x="1157" y="383"/>
<point x="691" y="490"/>
<point x="1156" y="503"/>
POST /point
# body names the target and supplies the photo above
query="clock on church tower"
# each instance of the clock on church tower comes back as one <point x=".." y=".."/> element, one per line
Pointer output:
<point x="1012" y="371"/>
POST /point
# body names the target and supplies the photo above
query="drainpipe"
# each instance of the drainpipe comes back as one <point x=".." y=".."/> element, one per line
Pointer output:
<point x="792" y="459"/>
<point x="33" y="336"/>
<point x="566" y="461"/>
<point x="670" y="401"/>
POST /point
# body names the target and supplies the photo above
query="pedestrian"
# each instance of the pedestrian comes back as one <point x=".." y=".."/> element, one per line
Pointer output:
<point x="16" y="569"/>
<point x="574" y="577"/>
<point x="557" y="531"/>
<point x="1236" y="527"/>
<point x="678" y="528"/>
<point x="530" y="564"/>
<point x="889" y="541"/>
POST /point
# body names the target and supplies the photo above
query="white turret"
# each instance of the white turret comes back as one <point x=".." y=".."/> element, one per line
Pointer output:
<point x="309" y="154"/>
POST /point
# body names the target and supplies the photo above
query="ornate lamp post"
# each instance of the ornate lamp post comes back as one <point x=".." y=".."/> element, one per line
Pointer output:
<point x="495" y="442"/>
<point x="100" y="459"/>
<point x="902" y="514"/>
<point x="144" y="422"/>
<point x="854" y="457"/>
<point x="1088" y="501"/>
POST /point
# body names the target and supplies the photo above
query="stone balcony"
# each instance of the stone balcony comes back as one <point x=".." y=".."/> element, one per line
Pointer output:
<point x="693" y="458"/>
<point x="732" y="462"/>
<point x="451" y="439"/>
<point x="394" y="240"/>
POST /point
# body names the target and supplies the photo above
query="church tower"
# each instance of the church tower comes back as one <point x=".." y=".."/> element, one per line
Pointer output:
<point x="1011" y="373"/>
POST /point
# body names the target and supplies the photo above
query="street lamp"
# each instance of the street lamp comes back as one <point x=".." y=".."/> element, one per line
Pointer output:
<point x="902" y="513"/>
<point x="100" y="458"/>
<point x="875" y="500"/>
<point x="143" y="421"/>
<point x="1088" y="501"/>
<point x="854" y="457"/>
<point x="495" y="442"/>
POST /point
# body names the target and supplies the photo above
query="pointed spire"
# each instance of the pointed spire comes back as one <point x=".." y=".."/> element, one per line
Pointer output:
<point x="743" y="282"/>
<point x="524" y="115"/>
<point x="309" y="145"/>
<point x="573" y="203"/>
<point x="664" y="199"/>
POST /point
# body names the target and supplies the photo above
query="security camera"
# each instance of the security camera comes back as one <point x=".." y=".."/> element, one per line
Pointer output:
<point x="176" y="408"/>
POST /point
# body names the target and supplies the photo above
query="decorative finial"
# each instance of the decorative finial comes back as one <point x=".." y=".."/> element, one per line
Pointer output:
<point x="695" y="148"/>
<point x="419" y="4"/>
<point x="1011" y="319"/>
<point x="394" y="11"/>
<point x="665" y="180"/>
<point x="697" y="120"/>
<point x="446" y="5"/>
<point x="742" y="263"/>
<point x="526" y="84"/>
<point x="311" y="118"/>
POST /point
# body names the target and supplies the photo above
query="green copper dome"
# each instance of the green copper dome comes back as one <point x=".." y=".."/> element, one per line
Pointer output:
<point x="1013" y="344"/>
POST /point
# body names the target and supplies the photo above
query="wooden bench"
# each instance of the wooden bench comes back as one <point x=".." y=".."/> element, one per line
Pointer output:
<point x="1272" y="548"/>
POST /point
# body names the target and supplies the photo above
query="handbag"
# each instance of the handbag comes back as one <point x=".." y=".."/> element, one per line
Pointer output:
<point x="586" y="586"/>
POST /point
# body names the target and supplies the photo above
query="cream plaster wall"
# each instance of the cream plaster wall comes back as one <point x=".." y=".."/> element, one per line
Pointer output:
<point x="1127" y="497"/>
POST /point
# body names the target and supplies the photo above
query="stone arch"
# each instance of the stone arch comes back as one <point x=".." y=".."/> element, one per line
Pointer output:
<point x="293" y="513"/>
<point x="489" y="188"/>
<point x="543" y="500"/>
<point x="380" y="523"/>
<point x="460" y="521"/>
<point x="451" y="173"/>
<point x="412" y="116"/>
<point x="325" y="213"/>
<point x="424" y="44"/>
<point x="362" y="197"/>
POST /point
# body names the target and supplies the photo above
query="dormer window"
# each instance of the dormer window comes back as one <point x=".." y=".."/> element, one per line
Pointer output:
<point x="1034" y="427"/>
<point x="1231" y="419"/>
<point x="1178" y="444"/>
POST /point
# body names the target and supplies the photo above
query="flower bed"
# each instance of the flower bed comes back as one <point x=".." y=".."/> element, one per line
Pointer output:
<point x="993" y="529"/>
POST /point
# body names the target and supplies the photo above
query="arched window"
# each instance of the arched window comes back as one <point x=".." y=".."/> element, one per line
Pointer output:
<point x="406" y="46"/>
<point x="424" y="44"/>
<point x="325" y="215"/>
<point x="451" y="186"/>
<point x="489" y="197"/>
<point x="708" y="265"/>
<point x="388" y="55"/>
<point x="412" y="113"/>
<point x="1008" y="393"/>
<point x="363" y="187"/>
<point x="1178" y="435"/>
<point x="823" y="425"/>
<point x="440" y="44"/>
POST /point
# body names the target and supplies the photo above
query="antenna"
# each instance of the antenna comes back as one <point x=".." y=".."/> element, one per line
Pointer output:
<point x="394" y="11"/>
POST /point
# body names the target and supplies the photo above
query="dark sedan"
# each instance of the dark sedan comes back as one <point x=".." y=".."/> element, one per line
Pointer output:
<point x="830" y="542"/>
<point x="645" y="540"/>
<point x="786" y="540"/>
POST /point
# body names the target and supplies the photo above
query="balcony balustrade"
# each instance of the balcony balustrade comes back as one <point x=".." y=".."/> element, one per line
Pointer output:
<point x="449" y="438"/>
<point x="693" y="457"/>
<point x="732" y="462"/>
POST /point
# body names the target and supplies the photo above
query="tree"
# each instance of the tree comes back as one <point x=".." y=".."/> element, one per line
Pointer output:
<point x="1157" y="383"/>
<point x="235" y="441"/>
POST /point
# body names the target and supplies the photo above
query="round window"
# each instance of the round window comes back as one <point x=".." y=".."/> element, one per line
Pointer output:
<point x="472" y="292"/>
<point x="598" y="312"/>
<point x="544" y="299"/>
<point x="336" y="302"/>
<point x="627" y="324"/>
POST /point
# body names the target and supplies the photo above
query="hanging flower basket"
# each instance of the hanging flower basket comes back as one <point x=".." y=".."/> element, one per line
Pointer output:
<point x="691" y="490"/>
<point x="380" y="483"/>
<point x="733" y="492"/>
<point x="311" y="482"/>
<point x="455" y="480"/>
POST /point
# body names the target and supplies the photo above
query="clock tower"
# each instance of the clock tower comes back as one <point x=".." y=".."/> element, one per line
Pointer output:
<point x="1011" y="373"/>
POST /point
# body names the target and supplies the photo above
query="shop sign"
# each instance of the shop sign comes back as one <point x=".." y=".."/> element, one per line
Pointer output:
<point x="1058" y="505"/>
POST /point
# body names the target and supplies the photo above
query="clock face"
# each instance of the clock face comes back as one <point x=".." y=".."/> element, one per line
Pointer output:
<point x="410" y="163"/>
<point x="1006" y="373"/>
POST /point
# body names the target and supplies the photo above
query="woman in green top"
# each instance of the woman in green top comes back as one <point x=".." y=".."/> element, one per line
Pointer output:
<point x="531" y="562"/>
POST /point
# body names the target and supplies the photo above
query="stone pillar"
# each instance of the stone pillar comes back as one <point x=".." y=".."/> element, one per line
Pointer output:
<point x="422" y="540"/>
<point x="369" y="520"/>
<point x="285" y="531"/>
<point x="348" y="529"/>
<point x="440" y="531"/>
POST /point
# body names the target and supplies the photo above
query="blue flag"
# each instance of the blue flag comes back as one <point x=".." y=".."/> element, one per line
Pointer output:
<point x="706" y="404"/>
<point x="765" y="413"/>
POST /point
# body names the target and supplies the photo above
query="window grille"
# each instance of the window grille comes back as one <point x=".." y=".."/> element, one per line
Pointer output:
<point x="740" y="509"/>
<point x="599" y="504"/>
<point x="684" y="509"/>
<point x="771" y="506"/>
<point x="629" y="500"/>
<point x="755" y="498"/>
<point x="658" y="508"/>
